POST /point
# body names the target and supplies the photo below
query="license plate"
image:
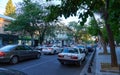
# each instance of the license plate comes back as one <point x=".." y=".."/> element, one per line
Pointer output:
<point x="45" y="49"/>
<point x="67" y="57"/>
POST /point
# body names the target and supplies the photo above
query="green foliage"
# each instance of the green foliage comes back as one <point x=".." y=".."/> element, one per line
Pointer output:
<point x="79" y="32"/>
<point x="105" y="36"/>
<point x="109" y="11"/>
<point x="54" y="11"/>
<point x="10" y="9"/>
<point x="114" y="18"/>
<point x="26" y="21"/>
<point x="86" y="8"/>
<point x="32" y="21"/>
<point x="92" y="28"/>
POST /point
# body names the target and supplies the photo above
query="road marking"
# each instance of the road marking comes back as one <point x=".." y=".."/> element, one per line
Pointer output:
<point x="37" y="64"/>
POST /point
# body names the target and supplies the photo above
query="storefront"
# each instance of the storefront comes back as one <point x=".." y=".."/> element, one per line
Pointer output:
<point x="5" y="36"/>
<point x="6" y="39"/>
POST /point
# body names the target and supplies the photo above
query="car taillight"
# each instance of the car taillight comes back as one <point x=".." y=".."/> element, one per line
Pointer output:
<point x="50" y="49"/>
<point x="61" y="56"/>
<point x="74" y="57"/>
<point x="2" y="54"/>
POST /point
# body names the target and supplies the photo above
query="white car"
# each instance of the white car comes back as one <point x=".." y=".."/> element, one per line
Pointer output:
<point x="51" y="49"/>
<point x="40" y="47"/>
<point x="71" y="55"/>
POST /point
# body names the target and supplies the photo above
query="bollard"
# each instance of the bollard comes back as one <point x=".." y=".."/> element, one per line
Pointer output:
<point x="89" y="69"/>
<point x="91" y="64"/>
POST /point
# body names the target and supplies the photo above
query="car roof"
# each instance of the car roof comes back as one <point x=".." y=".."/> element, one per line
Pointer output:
<point x="70" y="48"/>
<point x="12" y="45"/>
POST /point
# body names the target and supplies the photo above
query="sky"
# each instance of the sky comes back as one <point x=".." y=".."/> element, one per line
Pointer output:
<point x="4" y="2"/>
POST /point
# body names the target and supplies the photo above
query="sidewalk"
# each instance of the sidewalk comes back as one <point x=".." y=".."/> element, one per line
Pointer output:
<point x="96" y="64"/>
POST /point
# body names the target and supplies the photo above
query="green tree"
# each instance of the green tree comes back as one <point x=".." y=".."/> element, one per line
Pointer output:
<point x="78" y="31"/>
<point x="26" y="23"/>
<point x="104" y="7"/>
<point x="95" y="30"/>
<point x="10" y="9"/>
<point x="32" y="21"/>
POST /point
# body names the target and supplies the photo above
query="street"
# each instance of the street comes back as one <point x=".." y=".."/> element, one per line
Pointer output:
<point x="46" y="65"/>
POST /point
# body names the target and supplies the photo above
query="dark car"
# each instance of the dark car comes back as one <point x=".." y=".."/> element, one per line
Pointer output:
<point x="84" y="49"/>
<point x="90" y="48"/>
<point x="16" y="53"/>
<point x="4" y="71"/>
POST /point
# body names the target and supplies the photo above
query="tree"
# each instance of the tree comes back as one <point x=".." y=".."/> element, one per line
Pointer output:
<point x="26" y="23"/>
<point x="78" y="31"/>
<point x="95" y="30"/>
<point x="70" y="7"/>
<point x="10" y="9"/>
<point x="32" y="21"/>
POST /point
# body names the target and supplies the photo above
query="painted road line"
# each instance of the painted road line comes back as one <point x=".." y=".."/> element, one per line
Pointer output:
<point x="37" y="64"/>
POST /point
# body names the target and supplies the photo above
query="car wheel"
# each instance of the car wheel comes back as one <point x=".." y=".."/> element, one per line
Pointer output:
<point x="62" y="63"/>
<point x="84" y="59"/>
<point x="79" y="63"/>
<point x="38" y="55"/>
<point x="14" y="60"/>
<point x="54" y="52"/>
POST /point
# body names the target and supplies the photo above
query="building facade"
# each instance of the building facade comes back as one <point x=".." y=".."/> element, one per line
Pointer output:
<point x="5" y="36"/>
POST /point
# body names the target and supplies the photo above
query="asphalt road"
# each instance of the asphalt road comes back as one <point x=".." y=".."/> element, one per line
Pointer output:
<point x="46" y="65"/>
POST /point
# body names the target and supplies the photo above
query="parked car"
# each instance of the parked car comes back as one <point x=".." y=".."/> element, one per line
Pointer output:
<point x="16" y="53"/>
<point x="51" y="49"/>
<point x="71" y="55"/>
<point x="40" y="47"/>
<point x="84" y="49"/>
<point x="91" y="47"/>
<point x="5" y="71"/>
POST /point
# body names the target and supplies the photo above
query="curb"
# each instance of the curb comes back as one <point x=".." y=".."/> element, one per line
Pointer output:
<point x="87" y="67"/>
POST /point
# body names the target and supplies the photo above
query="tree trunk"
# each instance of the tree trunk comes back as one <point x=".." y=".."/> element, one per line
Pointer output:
<point x="110" y="37"/>
<point x="42" y="35"/>
<point x="41" y="39"/>
<point x="101" y="37"/>
<point x="103" y="43"/>
<point x="32" y="40"/>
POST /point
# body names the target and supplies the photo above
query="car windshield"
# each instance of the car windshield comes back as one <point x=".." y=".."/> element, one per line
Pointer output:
<point x="49" y="45"/>
<point x="7" y="48"/>
<point x="81" y="46"/>
<point x="70" y="50"/>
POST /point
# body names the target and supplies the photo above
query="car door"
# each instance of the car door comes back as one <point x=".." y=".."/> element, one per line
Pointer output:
<point x="30" y="52"/>
<point x="81" y="53"/>
<point x="21" y="52"/>
<point x="56" y="48"/>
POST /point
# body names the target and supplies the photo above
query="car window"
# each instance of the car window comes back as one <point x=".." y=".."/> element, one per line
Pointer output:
<point x="7" y="48"/>
<point x="48" y="46"/>
<point x="27" y="48"/>
<point x="75" y="50"/>
<point x="81" y="51"/>
<point x="20" y="48"/>
<point x="81" y="46"/>
<point x="70" y="50"/>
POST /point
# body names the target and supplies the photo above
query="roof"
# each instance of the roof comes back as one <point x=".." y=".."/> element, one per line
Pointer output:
<point x="6" y="17"/>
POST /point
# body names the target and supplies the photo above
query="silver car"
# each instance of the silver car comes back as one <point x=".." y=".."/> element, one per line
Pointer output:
<point x="16" y="53"/>
<point x="51" y="49"/>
